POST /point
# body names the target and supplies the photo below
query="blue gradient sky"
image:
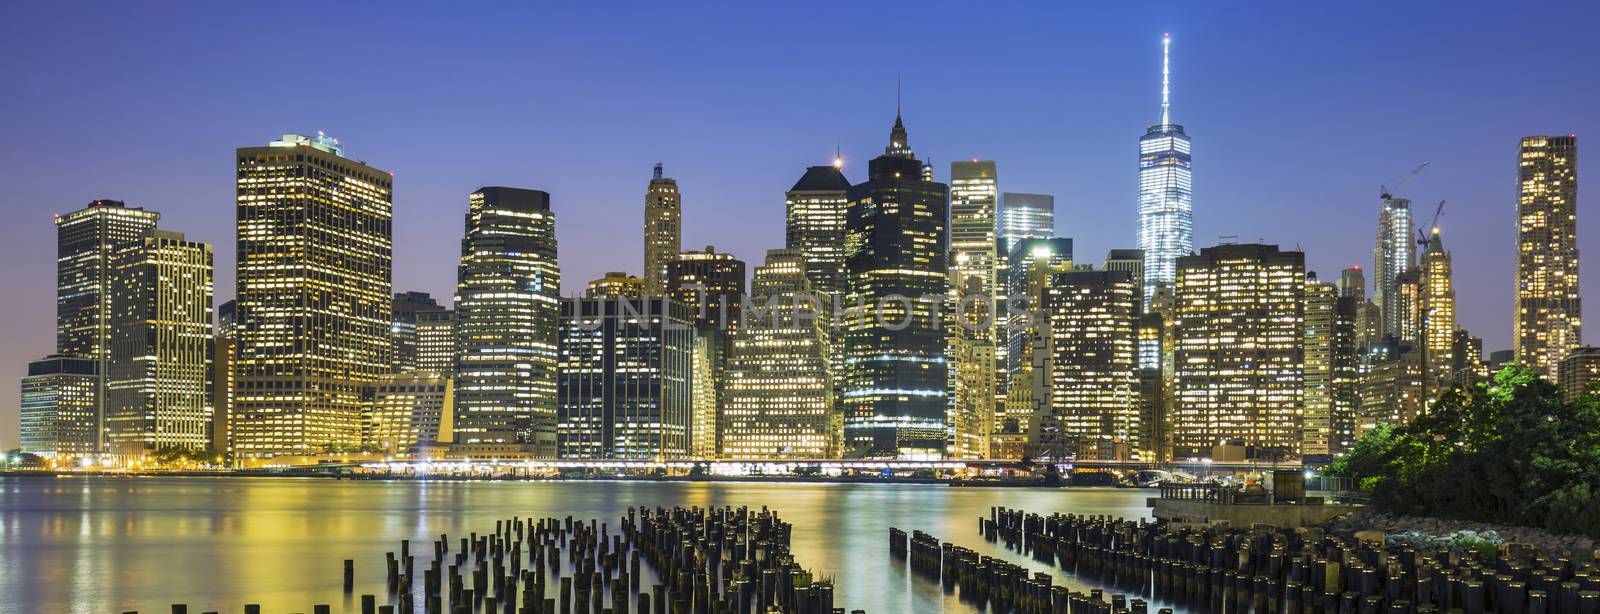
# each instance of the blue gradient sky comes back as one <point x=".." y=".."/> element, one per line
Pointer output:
<point x="1298" y="112"/>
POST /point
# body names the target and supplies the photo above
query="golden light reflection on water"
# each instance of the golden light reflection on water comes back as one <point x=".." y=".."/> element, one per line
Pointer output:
<point x="95" y="545"/>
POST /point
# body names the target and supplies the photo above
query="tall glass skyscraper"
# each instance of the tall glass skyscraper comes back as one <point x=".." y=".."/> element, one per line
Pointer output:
<point x="895" y="250"/>
<point x="1392" y="255"/>
<point x="1549" y="320"/>
<point x="508" y="308"/>
<point x="1025" y="216"/>
<point x="1166" y="198"/>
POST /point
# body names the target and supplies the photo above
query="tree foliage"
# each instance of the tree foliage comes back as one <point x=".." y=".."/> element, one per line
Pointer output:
<point x="1508" y="450"/>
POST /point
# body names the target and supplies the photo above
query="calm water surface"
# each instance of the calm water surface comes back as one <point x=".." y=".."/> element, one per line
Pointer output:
<point x="121" y="544"/>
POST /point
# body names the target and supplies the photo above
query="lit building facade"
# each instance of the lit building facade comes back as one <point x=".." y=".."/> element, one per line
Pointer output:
<point x="895" y="248"/>
<point x="1549" y="319"/>
<point x="616" y="285"/>
<point x="970" y="331"/>
<point x="663" y="231"/>
<point x="314" y="262"/>
<point x="59" y="407"/>
<point x="711" y="284"/>
<point x="87" y="243"/>
<point x="1578" y="370"/>
<point x="409" y="409"/>
<point x="1166" y="192"/>
<point x="1240" y="373"/>
<point x="1025" y="216"/>
<point x="1392" y="390"/>
<point x="974" y="200"/>
<point x="159" y="389"/>
<point x="625" y="384"/>
<point x="1092" y="320"/>
<point x="779" y="385"/>
<point x="1032" y="263"/>
<point x="436" y="341"/>
<point x="1130" y="261"/>
<point x="1332" y="370"/>
<point x="1392" y="255"/>
<point x="403" y="342"/>
<point x="507" y="316"/>
<point x="814" y="224"/>
<point x="1438" y="315"/>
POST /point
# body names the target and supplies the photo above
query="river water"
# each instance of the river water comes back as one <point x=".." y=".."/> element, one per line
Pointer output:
<point x="106" y="544"/>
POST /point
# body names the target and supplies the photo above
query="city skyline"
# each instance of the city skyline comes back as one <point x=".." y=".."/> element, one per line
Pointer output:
<point x="720" y="204"/>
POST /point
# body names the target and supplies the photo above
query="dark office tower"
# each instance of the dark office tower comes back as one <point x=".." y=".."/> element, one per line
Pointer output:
<point x="895" y="261"/>
<point x="1353" y="283"/>
<point x="1228" y="392"/>
<point x="315" y="245"/>
<point x="87" y="241"/>
<point x="1549" y="307"/>
<point x="1166" y="192"/>
<point x="625" y="383"/>
<point x="507" y="316"/>
<point x="1093" y="321"/>
<point x="436" y="342"/>
<point x="159" y="389"/>
<point x="1132" y="261"/>
<point x="403" y="334"/>
<point x="710" y="284"/>
<point x="815" y="224"/>
<point x="663" y="231"/>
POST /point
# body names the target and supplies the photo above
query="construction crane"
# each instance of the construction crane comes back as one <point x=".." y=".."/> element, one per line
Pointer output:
<point x="1384" y="190"/>
<point x="1423" y="236"/>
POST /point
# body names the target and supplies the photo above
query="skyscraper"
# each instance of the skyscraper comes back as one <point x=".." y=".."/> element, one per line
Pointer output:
<point x="615" y="284"/>
<point x="663" y="231"/>
<point x="1032" y="264"/>
<point x="1438" y="314"/>
<point x="1166" y="197"/>
<point x="779" y="388"/>
<point x="1392" y="256"/>
<point x="1240" y="349"/>
<point x="815" y="210"/>
<point x="1332" y="369"/>
<point x="970" y="331"/>
<point x="436" y="341"/>
<point x="710" y="284"/>
<point x="895" y="247"/>
<point x="314" y="264"/>
<point x="87" y="241"/>
<point x="403" y="356"/>
<point x="1092" y="319"/>
<point x="225" y="352"/>
<point x="974" y="198"/>
<point x="1131" y="261"/>
<point x="507" y="317"/>
<point x="1025" y="216"/>
<point x="625" y="381"/>
<point x="59" y="407"/>
<point x="1549" y="306"/>
<point x="159" y="389"/>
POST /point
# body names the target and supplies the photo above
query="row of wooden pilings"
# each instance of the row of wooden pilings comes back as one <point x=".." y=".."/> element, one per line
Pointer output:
<point x="1267" y="569"/>
<point x="995" y="585"/>
<point x="702" y="561"/>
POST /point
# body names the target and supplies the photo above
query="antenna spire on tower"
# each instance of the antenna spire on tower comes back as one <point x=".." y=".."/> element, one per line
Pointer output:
<point x="1166" y="71"/>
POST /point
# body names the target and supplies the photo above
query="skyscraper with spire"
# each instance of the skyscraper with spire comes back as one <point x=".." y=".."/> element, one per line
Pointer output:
<point x="1166" y="199"/>
<point x="894" y="347"/>
<point x="663" y="231"/>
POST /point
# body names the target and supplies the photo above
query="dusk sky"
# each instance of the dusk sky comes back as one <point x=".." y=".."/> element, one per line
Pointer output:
<point x="1298" y="111"/>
